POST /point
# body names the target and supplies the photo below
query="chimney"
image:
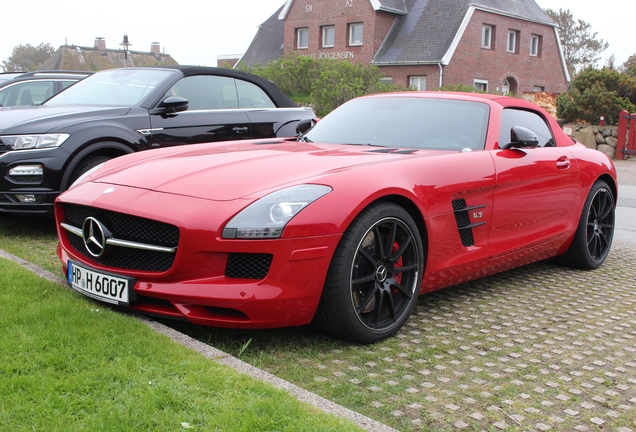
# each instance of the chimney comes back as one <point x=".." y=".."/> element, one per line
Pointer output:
<point x="100" y="43"/>
<point x="155" y="48"/>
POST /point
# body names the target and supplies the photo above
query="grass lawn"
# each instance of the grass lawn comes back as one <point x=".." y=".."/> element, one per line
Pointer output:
<point x="69" y="364"/>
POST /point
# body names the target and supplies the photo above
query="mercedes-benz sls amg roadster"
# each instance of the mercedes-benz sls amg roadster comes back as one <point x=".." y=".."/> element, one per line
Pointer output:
<point x="388" y="197"/>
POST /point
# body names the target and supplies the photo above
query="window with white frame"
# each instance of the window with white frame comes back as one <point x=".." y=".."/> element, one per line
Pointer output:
<point x="356" y="33"/>
<point x="480" y="85"/>
<point x="511" y="46"/>
<point x="386" y="80"/>
<point x="302" y="38"/>
<point x="417" y="82"/>
<point x="486" y="36"/>
<point x="328" y="36"/>
<point x="535" y="46"/>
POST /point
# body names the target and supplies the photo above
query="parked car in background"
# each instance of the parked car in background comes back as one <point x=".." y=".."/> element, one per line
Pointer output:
<point x="388" y="197"/>
<point x="33" y="88"/>
<point x="45" y="148"/>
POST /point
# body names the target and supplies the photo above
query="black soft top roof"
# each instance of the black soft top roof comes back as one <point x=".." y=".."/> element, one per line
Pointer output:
<point x="280" y="99"/>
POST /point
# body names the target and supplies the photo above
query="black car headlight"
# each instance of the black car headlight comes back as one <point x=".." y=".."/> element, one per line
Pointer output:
<point x="23" y="142"/>
<point x="267" y="217"/>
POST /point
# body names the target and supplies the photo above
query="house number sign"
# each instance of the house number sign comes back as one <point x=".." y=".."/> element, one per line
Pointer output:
<point x="309" y="8"/>
<point x="349" y="3"/>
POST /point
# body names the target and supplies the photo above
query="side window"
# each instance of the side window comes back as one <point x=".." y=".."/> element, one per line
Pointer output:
<point x="251" y="96"/>
<point x="27" y="93"/>
<point x="527" y="119"/>
<point x="66" y="84"/>
<point x="206" y="92"/>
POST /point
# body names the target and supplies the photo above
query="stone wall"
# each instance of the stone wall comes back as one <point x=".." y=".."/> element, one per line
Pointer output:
<point x="601" y="138"/>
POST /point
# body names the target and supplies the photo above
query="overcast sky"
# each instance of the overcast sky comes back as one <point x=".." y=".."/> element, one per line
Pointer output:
<point x="196" y="32"/>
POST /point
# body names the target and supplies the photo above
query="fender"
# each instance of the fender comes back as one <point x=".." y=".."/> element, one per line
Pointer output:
<point x="105" y="147"/>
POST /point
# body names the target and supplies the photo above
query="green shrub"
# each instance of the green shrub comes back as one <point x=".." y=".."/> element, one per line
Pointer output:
<point x="595" y="93"/>
<point x="323" y="84"/>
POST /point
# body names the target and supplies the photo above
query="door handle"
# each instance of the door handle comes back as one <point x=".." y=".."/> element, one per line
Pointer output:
<point x="563" y="163"/>
<point x="240" y="130"/>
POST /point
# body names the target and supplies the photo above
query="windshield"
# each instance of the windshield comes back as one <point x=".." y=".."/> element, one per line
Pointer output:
<point x="406" y="121"/>
<point x="117" y="87"/>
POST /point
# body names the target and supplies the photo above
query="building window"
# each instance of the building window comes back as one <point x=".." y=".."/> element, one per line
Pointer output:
<point x="480" y="85"/>
<point x="355" y="34"/>
<point x="417" y="82"/>
<point x="513" y="38"/>
<point x="386" y="80"/>
<point x="302" y="38"/>
<point x="487" y="36"/>
<point x="535" y="46"/>
<point x="538" y="88"/>
<point x="328" y="36"/>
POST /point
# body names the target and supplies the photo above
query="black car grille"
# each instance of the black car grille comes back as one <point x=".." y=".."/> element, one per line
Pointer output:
<point x="463" y="222"/>
<point x="129" y="228"/>
<point x="247" y="265"/>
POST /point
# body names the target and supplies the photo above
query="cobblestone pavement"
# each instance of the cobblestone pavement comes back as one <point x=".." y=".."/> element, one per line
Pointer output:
<point x="537" y="348"/>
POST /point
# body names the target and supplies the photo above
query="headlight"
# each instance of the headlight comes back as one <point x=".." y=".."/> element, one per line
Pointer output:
<point x="267" y="217"/>
<point x="22" y="142"/>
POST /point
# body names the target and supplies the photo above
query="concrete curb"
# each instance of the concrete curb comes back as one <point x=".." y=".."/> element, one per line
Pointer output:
<point x="226" y="359"/>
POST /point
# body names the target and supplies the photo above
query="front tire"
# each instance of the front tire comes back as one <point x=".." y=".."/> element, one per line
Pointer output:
<point x="594" y="234"/>
<point x="85" y="165"/>
<point x="374" y="278"/>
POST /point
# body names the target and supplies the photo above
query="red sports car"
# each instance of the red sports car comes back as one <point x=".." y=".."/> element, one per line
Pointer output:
<point x="388" y="197"/>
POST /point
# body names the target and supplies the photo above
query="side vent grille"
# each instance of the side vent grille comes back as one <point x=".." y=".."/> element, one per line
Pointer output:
<point x="462" y="218"/>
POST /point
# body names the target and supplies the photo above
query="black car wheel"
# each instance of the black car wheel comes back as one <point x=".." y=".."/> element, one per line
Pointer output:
<point x="85" y="165"/>
<point x="595" y="231"/>
<point x="374" y="278"/>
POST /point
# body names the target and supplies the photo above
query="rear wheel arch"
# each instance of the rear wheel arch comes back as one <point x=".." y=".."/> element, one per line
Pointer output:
<point x="611" y="184"/>
<point x="101" y="150"/>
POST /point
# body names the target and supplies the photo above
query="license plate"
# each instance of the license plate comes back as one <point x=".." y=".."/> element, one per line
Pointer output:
<point x="98" y="285"/>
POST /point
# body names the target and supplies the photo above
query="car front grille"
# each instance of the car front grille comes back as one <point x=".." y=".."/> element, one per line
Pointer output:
<point x="128" y="228"/>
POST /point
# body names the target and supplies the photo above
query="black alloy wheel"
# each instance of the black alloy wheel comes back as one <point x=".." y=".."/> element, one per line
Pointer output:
<point x="593" y="238"/>
<point x="375" y="277"/>
<point x="600" y="224"/>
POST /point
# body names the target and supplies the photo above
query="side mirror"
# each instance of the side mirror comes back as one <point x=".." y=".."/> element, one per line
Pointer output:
<point x="521" y="137"/>
<point x="304" y="125"/>
<point x="171" y="105"/>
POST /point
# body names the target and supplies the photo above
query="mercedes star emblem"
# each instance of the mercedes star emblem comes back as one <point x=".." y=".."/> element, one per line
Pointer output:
<point x="95" y="236"/>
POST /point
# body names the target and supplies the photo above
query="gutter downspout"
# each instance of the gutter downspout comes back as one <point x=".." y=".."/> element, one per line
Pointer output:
<point x="441" y="75"/>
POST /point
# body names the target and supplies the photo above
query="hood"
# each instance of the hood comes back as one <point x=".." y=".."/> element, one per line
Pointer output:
<point x="228" y="172"/>
<point x="43" y="119"/>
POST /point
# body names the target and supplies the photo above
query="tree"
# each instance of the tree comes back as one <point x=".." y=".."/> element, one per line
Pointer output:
<point x="323" y="83"/>
<point x="597" y="92"/>
<point x="26" y="58"/>
<point x="581" y="47"/>
<point x="629" y="67"/>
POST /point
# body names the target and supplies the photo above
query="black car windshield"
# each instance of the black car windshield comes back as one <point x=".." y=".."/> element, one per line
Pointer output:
<point x="406" y="121"/>
<point x="117" y="87"/>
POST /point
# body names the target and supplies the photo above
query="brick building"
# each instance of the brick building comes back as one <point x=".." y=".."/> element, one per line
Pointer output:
<point x="507" y="46"/>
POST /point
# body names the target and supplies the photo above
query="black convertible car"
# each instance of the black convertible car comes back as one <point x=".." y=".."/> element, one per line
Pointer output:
<point x="45" y="148"/>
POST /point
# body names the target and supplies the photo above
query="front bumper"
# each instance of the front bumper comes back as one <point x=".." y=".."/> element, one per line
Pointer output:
<point x="31" y="194"/>
<point x="208" y="280"/>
